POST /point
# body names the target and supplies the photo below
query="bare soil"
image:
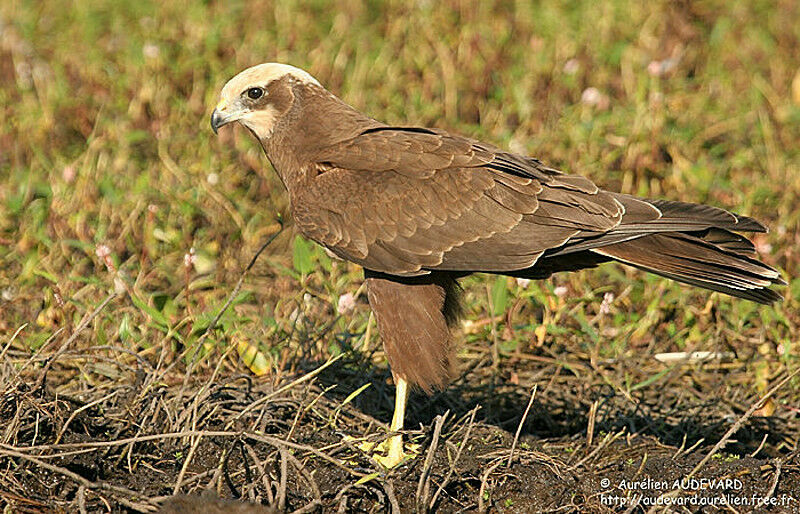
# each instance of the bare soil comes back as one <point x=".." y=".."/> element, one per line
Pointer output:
<point x="130" y="444"/>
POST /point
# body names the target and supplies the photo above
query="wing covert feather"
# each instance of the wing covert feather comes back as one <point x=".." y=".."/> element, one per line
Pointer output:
<point x="405" y="202"/>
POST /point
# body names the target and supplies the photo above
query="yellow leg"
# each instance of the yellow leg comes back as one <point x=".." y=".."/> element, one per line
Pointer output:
<point x="396" y="454"/>
<point x="395" y="442"/>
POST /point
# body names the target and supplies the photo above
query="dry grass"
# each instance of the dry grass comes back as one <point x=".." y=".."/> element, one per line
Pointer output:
<point x="125" y="226"/>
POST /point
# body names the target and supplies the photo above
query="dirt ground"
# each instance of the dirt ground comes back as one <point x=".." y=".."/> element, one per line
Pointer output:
<point x="297" y="446"/>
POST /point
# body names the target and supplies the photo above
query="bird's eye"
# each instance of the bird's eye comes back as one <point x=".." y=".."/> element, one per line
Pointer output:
<point x="254" y="93"/>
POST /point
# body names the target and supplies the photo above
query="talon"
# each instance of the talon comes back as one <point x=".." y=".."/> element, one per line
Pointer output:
<point x="396" y="454"/>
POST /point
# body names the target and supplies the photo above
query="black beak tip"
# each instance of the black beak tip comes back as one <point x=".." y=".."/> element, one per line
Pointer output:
<point x="215" y="121"/>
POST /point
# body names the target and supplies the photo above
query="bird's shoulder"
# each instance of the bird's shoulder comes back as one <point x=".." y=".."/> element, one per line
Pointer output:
<point x="420" y="152"/>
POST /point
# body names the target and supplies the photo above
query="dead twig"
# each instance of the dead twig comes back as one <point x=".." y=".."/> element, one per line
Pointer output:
<point x="283" y="479"/>
<point x="521" y="423"/>
<point x="457" y="457"/>
<point x="760" y="446"/>
<point x="311" y="507"/>
<point x="176" y="489"/>
<point x="308" y="477"/>
<point x="388" y="486"/>
<point x="424" y="485"/>
<point x="608" y="439"/>
<point x="81" y="409"/>
<point x="11" y="340"/>
<point x="482" y="508"/>
<point x="264" y="476"/>
<point x="590" y="425"/>
<point x="82" y="499"/>
<point x="238" y="285"/>
<point x="774" y="486"/>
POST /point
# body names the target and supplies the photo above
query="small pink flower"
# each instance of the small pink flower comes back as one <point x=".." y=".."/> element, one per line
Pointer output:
<point x="592" y="96"/>
<point x="346" y="304"/>
<point x="661" y="68"/>
<point x="523" y="282"/>
<point x="572" y="66"/>
<point x="605" y="307"/>
<point x="102" y="251"/>
<point x="151" y="51"/>
<point x="189" y="258"/>
<point x="68" y="174"/>
<point x="763" y="247"/>
<point x="560" y="291"/>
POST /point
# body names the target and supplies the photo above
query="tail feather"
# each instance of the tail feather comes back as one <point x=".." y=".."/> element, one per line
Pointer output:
<point x="719" y="261"/>
<point x="728" y="241"/>
<point x="673" y="211"/>
<point x="691" y="243"/>
<point x="682" y="216"/>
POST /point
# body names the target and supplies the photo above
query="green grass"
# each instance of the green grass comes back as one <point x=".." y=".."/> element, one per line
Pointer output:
<point x="106" y="143"/>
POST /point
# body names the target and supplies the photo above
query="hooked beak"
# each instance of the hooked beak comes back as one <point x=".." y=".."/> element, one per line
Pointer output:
<point x="220" y="117"/>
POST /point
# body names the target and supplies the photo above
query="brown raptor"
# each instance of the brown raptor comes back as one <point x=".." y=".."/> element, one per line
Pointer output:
<point x="419" y="208"/>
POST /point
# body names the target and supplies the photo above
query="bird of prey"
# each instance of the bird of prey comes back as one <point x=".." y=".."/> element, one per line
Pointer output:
<point x="418" y="208"/>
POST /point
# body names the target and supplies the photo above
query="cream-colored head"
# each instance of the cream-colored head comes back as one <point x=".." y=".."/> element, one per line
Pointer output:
<point x="253" y="98"/>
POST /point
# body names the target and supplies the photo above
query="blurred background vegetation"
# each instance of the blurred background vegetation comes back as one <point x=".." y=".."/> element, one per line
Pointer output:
<point x="112" y="181"/>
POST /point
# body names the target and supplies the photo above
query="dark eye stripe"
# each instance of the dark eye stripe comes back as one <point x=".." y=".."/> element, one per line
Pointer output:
<point x="254" y="93"/>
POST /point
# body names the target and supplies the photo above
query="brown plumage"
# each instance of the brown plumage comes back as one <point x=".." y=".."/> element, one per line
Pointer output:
<point x="414" y="317"/>
<point x="419" y="208"/>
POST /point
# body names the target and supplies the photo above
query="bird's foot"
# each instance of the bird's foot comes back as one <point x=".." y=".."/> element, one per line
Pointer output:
<point x="391" y="452"/>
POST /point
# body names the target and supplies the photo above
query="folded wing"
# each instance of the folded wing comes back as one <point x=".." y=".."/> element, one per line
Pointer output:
<point x="409" y="201"/>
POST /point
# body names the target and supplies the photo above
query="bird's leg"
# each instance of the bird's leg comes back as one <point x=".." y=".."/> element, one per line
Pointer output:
<point x="396" y="455"/>
<point x="398" y="419"/>
<point x="412" y="315"/>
